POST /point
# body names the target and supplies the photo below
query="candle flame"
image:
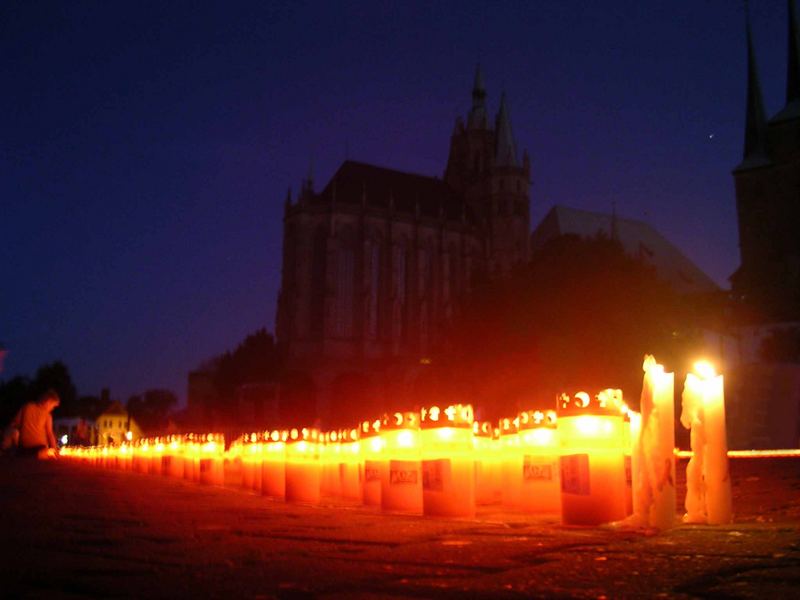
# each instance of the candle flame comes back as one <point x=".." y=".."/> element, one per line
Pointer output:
<point x="705" y="369"/>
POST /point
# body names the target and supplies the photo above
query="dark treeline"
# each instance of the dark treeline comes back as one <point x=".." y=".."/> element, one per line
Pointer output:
<point x="151" y="409"/>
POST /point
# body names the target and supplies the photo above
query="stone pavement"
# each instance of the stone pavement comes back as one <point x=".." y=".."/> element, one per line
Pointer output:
<point x="76" y="531"/>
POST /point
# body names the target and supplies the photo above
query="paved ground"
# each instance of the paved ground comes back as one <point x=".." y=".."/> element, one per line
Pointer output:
<point x="73" y="531"/>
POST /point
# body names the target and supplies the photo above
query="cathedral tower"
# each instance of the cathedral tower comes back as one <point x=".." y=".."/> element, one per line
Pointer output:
<point x="483" y="167"/>
<point x="767" y="185"/>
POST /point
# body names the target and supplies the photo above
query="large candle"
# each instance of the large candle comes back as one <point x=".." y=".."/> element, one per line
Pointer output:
<point x="188" y="457"/>
<point x="248" y="458"/>
<point x="125" y="457"/>
<point x="656" y="481"/>
<point x="143" y="457"/>
<point x="374" y="461"/>
<point x="329" y="451"/>
<point x="350" y="477"/>
<point x="488" y="463"/>
<point x="401" y="476"/>
<point x="273" y="467"/>
<point x="592" y="460"/>
<point x="211" y="460"/>
<point x="303" y="471"/>
<point x="511" y="456"/>
<point x="633" y="460"/>
<point x="539" y="465"/>
<point x="172" y="459"/>
<point x="448" y="467"/>
<point x="708" y="483"/>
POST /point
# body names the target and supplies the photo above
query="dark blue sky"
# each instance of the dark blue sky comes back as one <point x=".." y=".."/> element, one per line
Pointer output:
<point x="146" y="148"/>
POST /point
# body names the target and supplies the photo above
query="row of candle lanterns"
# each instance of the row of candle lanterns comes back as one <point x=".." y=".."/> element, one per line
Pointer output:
<point x="592" y="460"/>
<point x="194" y="457"/>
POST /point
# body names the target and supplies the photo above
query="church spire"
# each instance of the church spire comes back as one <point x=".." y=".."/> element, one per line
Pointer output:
<point x="793" y="67"/>
<point x="505" y="150"/>
<point x="755" y="132"/>
<point x="477" y="114"/>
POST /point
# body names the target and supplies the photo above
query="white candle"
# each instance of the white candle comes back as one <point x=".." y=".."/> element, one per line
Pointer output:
<point x="708" y="484"/>
<point x="656" y="492"/>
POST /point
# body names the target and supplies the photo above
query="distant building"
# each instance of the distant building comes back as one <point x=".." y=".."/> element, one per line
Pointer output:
<point x="375" y="264"/>
<point x="767" y="184"/>
<point x="639" y="240"/>
<point x="114" y="423"/>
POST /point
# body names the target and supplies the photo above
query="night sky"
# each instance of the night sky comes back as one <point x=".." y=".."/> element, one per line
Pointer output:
<point x="146" y="148"/>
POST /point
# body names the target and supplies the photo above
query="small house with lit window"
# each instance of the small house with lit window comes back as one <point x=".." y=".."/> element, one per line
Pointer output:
<point x="114" y="423"/>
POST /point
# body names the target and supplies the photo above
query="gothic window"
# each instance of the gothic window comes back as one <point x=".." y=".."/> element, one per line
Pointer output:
<point x="319" y="257"/>
<point x="373" y="270"/>
<point x="453" y="270"/>
<point x="399" y="291"/>
<point x="424" y="271"/>
<point x="424" y="325"/>
<point x="344" y="291"/>
<point x="446" y="278"/>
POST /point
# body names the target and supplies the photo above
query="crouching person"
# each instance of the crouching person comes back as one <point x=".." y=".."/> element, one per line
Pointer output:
<point x="34" y="422"/>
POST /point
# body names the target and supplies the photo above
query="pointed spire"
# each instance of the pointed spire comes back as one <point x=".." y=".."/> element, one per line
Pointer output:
<point x="755" y="132"/>
<point x="505" y="149"/>
<point x="793" y="67"/>
<point x="477" y="114"/>
<point x="288" y="202"/>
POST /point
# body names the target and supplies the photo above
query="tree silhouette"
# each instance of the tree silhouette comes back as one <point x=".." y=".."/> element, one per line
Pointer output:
<point x="151" y="409"/>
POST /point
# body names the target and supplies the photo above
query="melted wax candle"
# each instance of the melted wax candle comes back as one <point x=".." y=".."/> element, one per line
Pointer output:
<point x="303" y="469"/>
<point x="539" y="466"/>
<point x="273" y="467"/>
<point x="592" y="460"/>
<point x="401" y="474"/>
<point x="656" y="480"/>
<point x="448" y="464"/>
<point x="708" y="483"/>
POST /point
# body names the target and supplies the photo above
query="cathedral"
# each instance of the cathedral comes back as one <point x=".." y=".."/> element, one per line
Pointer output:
<point x="767" y="185"/>
<point x="376" y="263"/>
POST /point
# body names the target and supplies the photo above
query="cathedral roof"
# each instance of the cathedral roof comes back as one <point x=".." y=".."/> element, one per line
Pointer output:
<point x="356" y="183"/>
<point x="639" y="239"/>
